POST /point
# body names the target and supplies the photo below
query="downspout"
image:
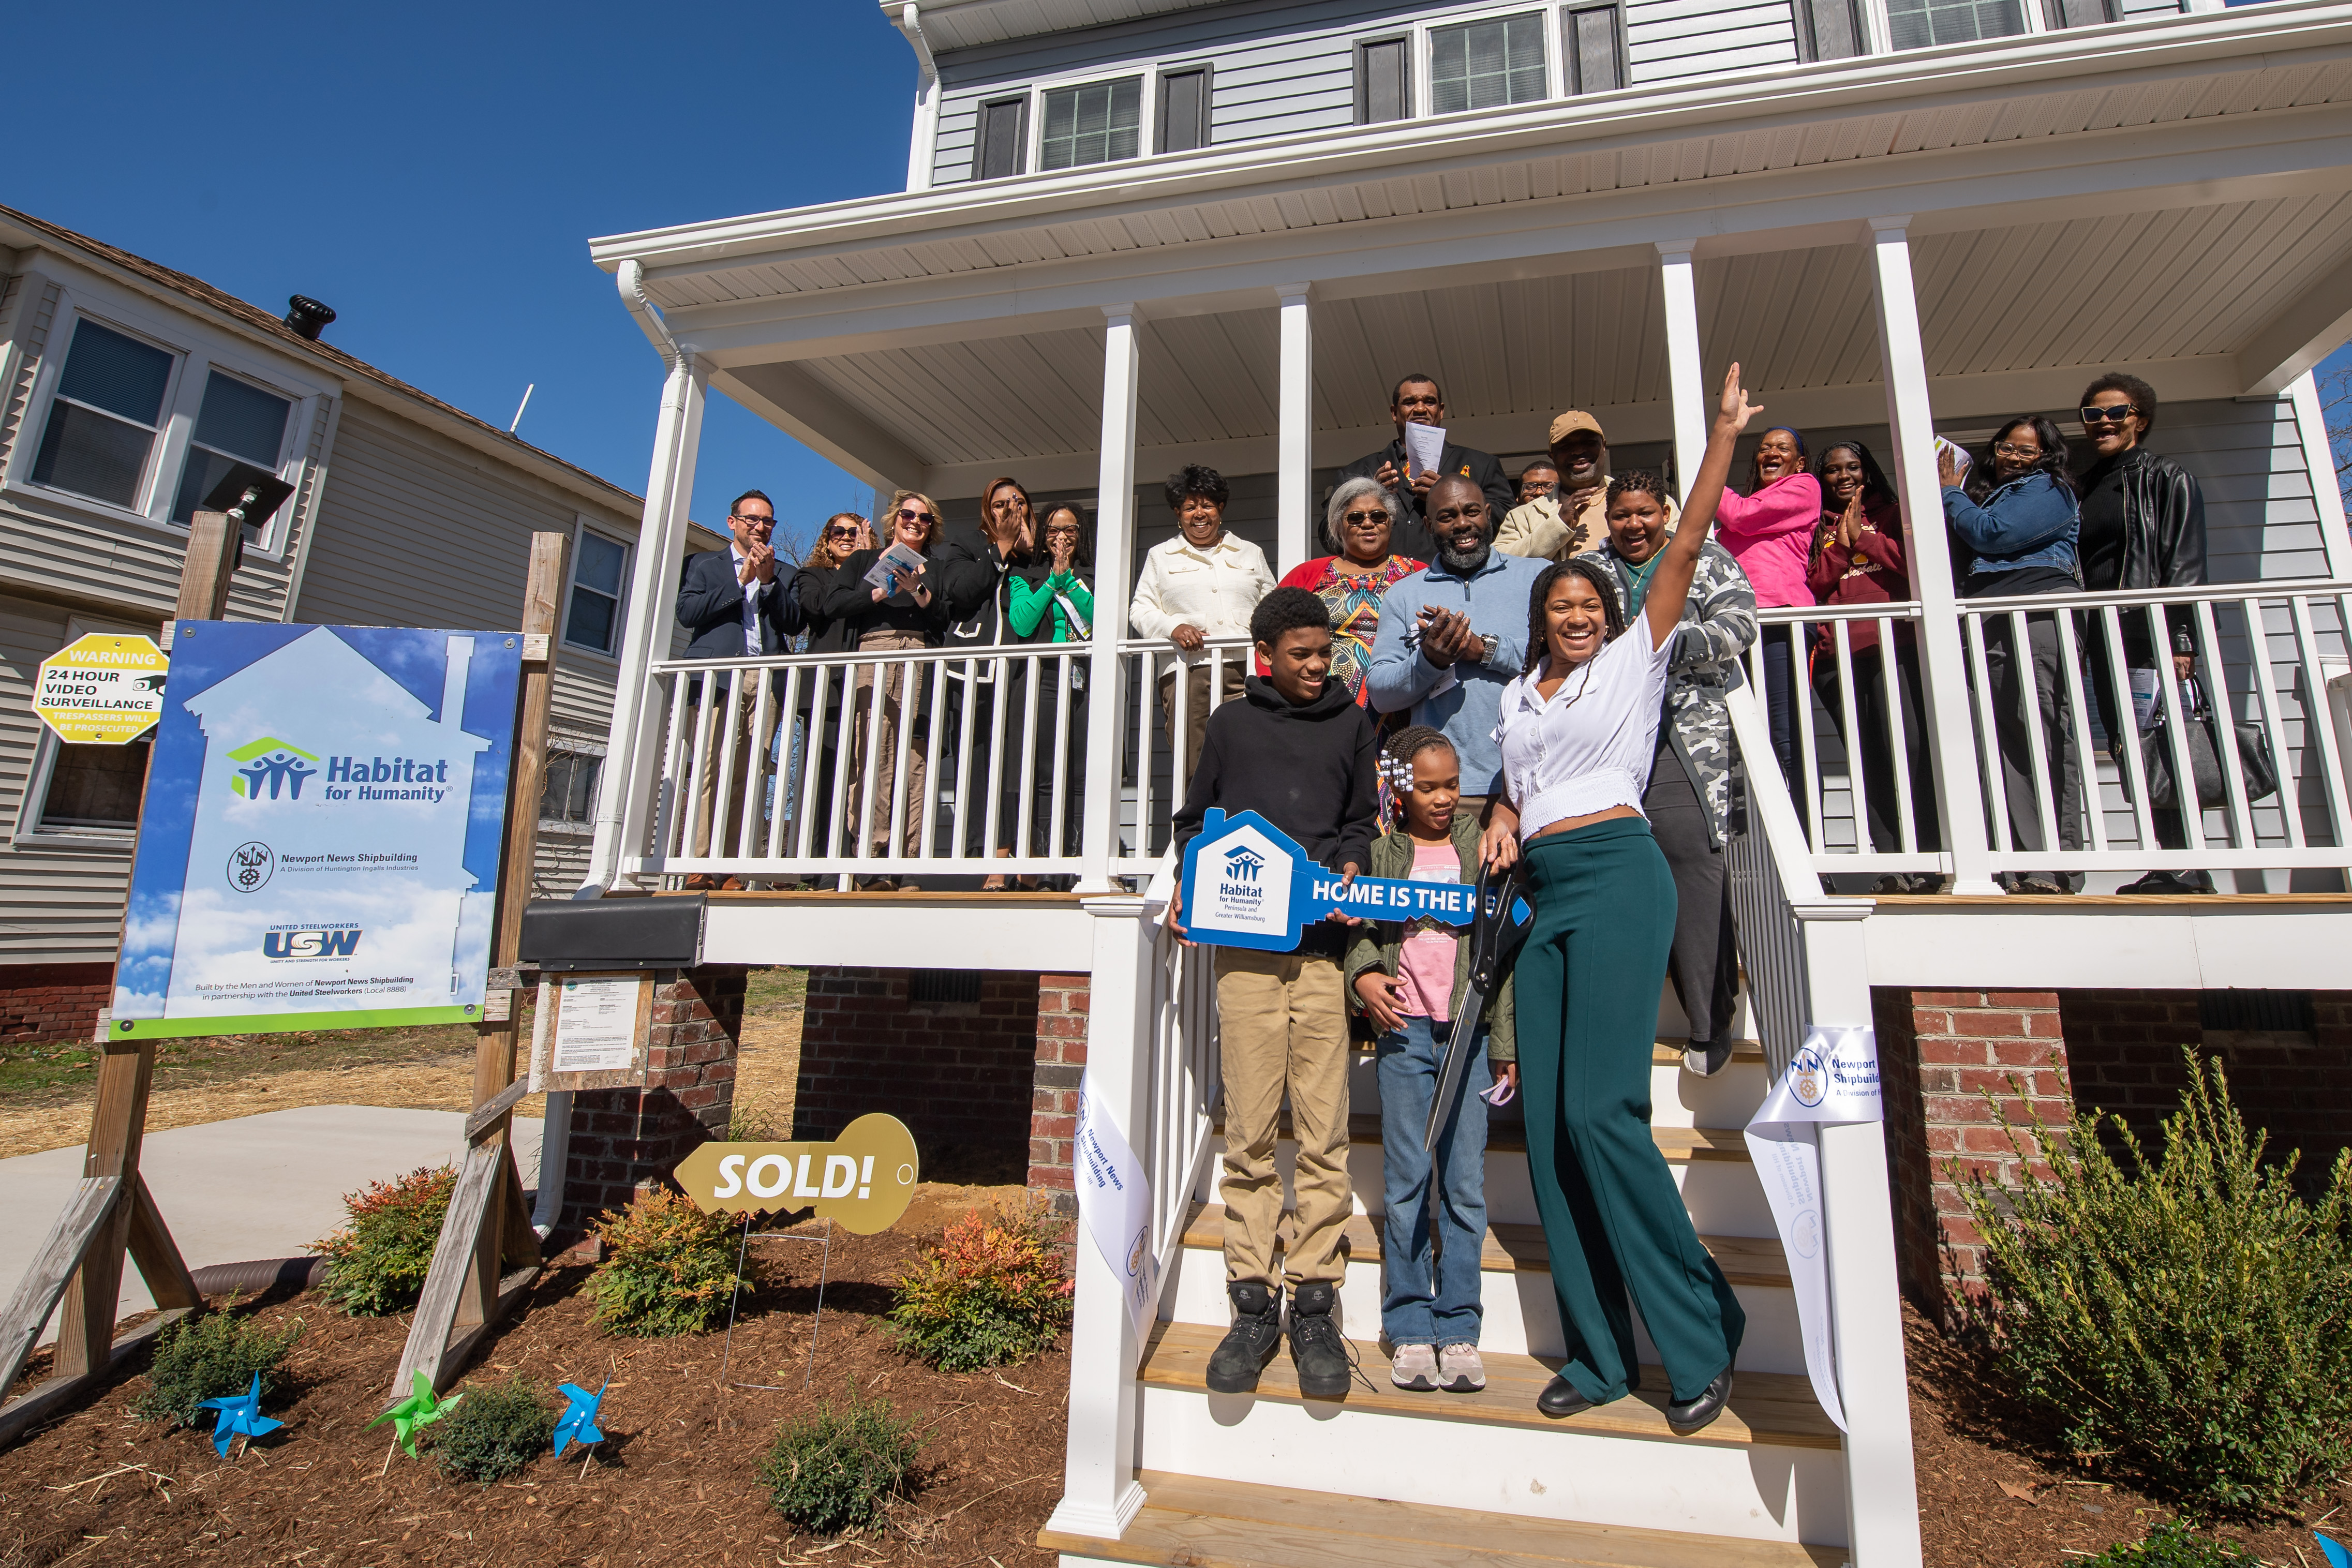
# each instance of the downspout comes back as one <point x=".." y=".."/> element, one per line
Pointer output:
<point x="922" y="141"/>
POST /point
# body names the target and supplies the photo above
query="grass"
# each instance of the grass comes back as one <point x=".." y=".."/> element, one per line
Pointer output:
<point x="774" y="990"/>
<point x="58" y="1074"/>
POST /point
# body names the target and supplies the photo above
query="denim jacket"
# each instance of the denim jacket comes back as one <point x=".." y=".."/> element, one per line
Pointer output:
<point x="2026" y="522"/>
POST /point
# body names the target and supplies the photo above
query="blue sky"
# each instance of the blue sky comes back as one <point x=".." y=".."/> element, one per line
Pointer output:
<point x="433" y="171"/>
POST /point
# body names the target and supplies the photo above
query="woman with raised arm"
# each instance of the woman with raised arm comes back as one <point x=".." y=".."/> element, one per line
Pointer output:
<point x="1578" y="731"/>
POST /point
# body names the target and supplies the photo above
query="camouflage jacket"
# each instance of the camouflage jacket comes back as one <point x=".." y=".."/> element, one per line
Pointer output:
<point x="1718" y="625"/>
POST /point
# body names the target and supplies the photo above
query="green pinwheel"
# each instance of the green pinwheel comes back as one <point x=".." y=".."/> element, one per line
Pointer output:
<point x="412" y="1415"/>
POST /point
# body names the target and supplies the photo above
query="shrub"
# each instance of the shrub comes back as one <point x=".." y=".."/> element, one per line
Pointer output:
<point x="990" y="1293"/>
<point x="669" y="1269"/>
<point x="377" y="1262"/>
<point x="212" y="1355"/>
<point x="2184" y="1316"/>
<point x="2168" y="1545"/>
<point x="835" y="1470"/>
<point x="494" y="1431"/>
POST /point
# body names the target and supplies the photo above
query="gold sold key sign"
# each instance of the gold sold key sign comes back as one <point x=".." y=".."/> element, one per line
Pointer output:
<point x="102" y="690"/>
<point x="863" y="1178"/>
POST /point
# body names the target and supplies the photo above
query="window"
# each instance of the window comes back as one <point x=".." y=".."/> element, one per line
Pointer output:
<point x="1486" y="65"/>
<point x="569" y="793"/>
<point x="1829" y="29"/>
<point x="599" y="568"/>
<point x="105" y="418"/>
<point x="1002" y="138"/>
<point x="1184" y="110"/>
<point x="1593" y="37"/>
<point x="238" y="423"/>
<point x="1100" y="122"/>
<point x="93" y="788"/>
<point x="1920" y="24"/>
<point x="1383" y="90"/>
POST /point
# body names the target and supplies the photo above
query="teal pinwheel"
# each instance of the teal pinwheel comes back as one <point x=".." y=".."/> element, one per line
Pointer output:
<point x="419" y="1410"/>
<point x="240" y="1416"/>
<point x="579" y="1423"/>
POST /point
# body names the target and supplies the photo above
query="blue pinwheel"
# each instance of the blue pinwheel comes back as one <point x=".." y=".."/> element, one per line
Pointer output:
<point x="240" y="1416"/>
<point x="579" y="1423"/>
<point x="2337" y="1556"/>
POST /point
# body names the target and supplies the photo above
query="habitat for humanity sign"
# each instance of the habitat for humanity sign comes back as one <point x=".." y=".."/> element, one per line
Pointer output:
<point x="321" y="844"/>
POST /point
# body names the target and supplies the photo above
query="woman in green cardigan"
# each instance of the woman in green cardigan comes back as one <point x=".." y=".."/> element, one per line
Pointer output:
<point x="1048" y="599"/>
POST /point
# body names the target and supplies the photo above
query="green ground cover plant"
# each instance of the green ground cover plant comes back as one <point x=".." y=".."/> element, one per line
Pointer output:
<point x="836" y="1470"/>
<point x="377" y="1262"/>
<point x="990" y="1292"/>
<point x="2171" y="1545"/>
<point x="494" y="1431"/>
<point x="212" y="1356"/>
<point x="669" y="1269"/>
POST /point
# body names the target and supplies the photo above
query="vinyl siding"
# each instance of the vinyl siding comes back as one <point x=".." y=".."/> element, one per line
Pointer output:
<point x="1669" y="40"/>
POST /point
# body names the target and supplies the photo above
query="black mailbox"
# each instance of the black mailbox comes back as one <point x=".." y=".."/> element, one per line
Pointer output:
<point x="613" y="933"/>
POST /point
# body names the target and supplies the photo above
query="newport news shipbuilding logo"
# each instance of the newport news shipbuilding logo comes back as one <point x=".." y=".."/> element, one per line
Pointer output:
<point x="274" y="768"/>
<point x="311" y="941"/>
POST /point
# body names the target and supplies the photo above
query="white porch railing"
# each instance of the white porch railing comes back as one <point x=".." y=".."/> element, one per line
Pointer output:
<point x="1155" y="730"/>
<point x="2266" y="655"/>
<point x="1182" y="1078"/>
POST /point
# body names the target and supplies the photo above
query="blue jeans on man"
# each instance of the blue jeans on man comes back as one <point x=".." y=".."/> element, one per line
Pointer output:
<point x="1415" y="1307"/>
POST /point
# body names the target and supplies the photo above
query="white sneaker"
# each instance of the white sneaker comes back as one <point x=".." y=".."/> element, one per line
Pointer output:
<point x="1459" y="1370"/>
<point x="1414" y="1367"/>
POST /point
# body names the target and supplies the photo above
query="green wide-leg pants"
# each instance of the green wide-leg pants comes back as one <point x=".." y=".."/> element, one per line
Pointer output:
<point x="1588" y="986"/>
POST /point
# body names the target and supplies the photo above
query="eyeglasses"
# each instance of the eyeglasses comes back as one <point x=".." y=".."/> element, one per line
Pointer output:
<point x="1364" y="516"/>
<point x="2011" y="449"/>
<point x="841" y="533"/>
<point x="2113" y="414"/>
<point x="906" y="517"/>
<point x="747" y="517"/>
<point x="1061" y="533"/>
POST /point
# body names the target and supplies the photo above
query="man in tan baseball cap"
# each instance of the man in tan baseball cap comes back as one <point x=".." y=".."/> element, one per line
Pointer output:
<point x="1573" y="517"/>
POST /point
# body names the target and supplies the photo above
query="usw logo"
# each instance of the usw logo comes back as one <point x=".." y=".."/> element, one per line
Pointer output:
<point x="331" y="942"/>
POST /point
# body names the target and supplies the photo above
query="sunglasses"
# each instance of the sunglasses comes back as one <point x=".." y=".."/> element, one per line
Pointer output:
<point x="1364" y="516"/>
<point x="2114" y="413"/>
<point x="908" y="517"/>
<point x="841" y="533"/>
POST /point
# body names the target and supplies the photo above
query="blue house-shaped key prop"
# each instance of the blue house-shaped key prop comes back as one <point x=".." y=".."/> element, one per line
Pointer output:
<point x="1248" y="884"/>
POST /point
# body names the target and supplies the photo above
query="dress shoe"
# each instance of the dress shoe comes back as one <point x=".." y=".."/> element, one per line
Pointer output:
<point x="1688" y="1415"/>
<point x="1560" y="1399"/>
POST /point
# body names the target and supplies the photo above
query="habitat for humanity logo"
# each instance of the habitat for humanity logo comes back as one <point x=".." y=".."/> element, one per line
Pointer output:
<point x="310" y="942"/>
<point x="269" y="762"/>
<point x="1243" y="864"/>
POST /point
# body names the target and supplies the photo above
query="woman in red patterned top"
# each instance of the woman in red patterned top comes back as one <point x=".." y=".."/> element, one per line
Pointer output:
<point x="1857" y="559"/>
<point x="1356" y="525"/>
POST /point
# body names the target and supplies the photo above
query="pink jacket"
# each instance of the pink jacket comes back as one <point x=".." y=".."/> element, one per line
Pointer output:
<point x="1770" y="534"/>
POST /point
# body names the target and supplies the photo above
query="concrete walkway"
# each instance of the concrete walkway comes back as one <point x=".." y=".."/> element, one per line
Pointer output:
<point x="259" y="1187"/>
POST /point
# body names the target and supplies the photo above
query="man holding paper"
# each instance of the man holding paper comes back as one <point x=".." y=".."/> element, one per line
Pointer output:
<point x="1419" y="457"/>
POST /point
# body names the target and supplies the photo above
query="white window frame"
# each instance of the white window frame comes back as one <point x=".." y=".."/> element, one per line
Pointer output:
<point x="198" y="349"/>
<point x="1548" y="16"/>
<point x="26" y="833"/>
<point x="583" y="524"/>
<point x="576" y="746"/>
<point x="1034" y="157"/>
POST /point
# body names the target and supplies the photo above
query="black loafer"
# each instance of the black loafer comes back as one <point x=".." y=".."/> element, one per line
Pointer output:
<point x="1688" y="1415"/>
<point x="1560" y="1399"/>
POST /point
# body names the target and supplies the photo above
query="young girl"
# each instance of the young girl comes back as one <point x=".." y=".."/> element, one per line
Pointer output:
<point x="1405" y="977"/>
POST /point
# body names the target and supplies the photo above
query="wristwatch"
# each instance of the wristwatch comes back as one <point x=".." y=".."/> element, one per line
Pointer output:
<point x="1488" y="655"/>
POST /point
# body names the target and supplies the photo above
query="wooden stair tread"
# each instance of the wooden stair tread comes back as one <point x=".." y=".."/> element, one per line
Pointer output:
<point x="1745" y="1259"/>
<point x="1681" y="1146"/>
<point x="1766" y="1408"/>
<point x="1668" y="1050"/>
<point x="1193" y="1522"/>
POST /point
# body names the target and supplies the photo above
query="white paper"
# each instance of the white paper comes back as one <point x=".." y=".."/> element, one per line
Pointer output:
<point x="2145" y="707"/>
<point x="1424" y="445"/>
<point x="892" y="566"/>
<point x="1115" y="1203"/>
<point x="1961" y="458"/>
<point x="596" y="1026"/>
<point x="1833" y="1079"/>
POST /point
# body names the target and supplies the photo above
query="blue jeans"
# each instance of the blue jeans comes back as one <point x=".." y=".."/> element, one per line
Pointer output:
<point x="1411" y="1313"/>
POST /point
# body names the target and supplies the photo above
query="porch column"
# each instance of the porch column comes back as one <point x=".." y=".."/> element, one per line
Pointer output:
<point x="1950" y="733"/>
<point x="1114" y="568"/>
<point x="1685" y="376"/>
<point x="1295" y="420"/>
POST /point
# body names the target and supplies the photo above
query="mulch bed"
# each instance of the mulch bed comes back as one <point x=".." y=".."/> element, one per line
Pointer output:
<point x="676" y="1482"/>
<point x="1998" y="1490"/>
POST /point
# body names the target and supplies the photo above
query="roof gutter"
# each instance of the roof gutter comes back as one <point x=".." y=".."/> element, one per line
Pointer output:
<point x="921" y="139"/>
<point x="631" y="279"/>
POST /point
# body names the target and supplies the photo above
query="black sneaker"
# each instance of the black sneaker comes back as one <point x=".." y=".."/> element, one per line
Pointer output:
<point x="1251" y="1343"/>
<point x="1315" y="1349"/>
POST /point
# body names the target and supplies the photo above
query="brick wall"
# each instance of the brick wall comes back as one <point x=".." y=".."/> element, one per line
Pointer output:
<point x="41" y="1002"/>
<point x="626" y="1141"/>
<point x="1062" y="1010"/>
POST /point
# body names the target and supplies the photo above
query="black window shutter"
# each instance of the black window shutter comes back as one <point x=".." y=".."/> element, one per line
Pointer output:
<point x="1184" y="110"/>
<point x="1002" y="139"/>
<point x="1595" y="40"/>
<point x="1381" y="93"/>
<point x="2083" y="13"/>
<point x="1829" y="29"/>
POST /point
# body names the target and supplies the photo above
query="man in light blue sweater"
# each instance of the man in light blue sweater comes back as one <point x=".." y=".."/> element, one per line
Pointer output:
<point x="1454" y="635"/>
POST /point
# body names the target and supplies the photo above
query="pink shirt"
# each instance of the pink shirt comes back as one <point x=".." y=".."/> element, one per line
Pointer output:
<point x="1425" y="961"/>
<point x="1770" y="534"/>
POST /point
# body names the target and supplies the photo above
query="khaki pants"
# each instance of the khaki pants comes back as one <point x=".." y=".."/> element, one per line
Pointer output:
<point x="901" y="708"/>
<point x="1196" y="714"/>
<point x="744" y="778"/>
<point x="1282" y="1023"/>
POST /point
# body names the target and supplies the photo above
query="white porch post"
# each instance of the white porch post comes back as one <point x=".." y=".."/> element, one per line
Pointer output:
<point x="1114" y="565"/>
<point x="1686" y="374"/>
<point x="1295" y="416"/>
<point x="1950" y="733"/>
<point x="2311" y="426"/>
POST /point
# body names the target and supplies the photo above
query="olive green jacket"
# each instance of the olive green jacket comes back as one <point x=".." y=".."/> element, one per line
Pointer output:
<point x="1377" y="941"/>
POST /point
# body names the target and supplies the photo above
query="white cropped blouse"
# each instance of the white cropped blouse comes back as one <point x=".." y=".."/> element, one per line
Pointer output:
<point x="1589" y="747"/>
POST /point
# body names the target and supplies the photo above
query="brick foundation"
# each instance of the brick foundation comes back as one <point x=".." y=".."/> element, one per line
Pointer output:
<point x="45" y="1002"/>
<point x="1062" y="1010"/>
<point x="626" y="1141"/>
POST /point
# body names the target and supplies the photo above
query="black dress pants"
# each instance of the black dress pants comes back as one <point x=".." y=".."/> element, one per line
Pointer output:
<point x="1704" y="963"/>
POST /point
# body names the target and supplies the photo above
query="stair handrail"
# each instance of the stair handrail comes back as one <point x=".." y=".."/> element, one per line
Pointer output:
<point x="1771" y="870"/>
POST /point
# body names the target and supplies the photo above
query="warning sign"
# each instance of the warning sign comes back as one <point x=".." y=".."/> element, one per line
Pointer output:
<point x="102" y="690"/>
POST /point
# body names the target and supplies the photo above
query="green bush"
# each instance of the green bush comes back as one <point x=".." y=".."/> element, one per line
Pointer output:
<point x="494" y="1431"/>
<point x="669" y="1269"/>
<point x="212" y="1356"/>
<point x="2170" y="1545"/>
<point x="991" y="1292"/>
<point x="2185" y="1317"/>
<point x="836" y="1470"/>
<point x="377" y="1262"/>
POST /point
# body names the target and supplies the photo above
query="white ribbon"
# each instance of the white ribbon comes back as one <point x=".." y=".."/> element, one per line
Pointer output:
<point x="1115" y="1203"/>
<point x="1833" y="1078"/>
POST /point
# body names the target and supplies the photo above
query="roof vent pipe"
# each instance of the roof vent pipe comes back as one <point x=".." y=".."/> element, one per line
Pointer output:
<point x="308" y="317"/>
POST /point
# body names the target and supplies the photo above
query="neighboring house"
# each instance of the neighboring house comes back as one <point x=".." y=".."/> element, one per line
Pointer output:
<point x="126" y="388"/>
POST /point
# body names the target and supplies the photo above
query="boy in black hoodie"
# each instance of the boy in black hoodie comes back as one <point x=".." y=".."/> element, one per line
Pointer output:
<point x="1302" y="755"/>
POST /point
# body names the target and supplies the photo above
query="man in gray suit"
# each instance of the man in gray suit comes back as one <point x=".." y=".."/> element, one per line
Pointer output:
<point x="734" y="607"/>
